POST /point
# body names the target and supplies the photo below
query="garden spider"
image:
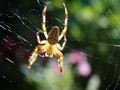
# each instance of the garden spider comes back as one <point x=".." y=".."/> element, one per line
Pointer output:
<point x="50" y="46"/>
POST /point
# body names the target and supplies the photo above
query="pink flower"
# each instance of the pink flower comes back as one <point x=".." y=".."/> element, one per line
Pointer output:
<point x="84" y="69"/>
<point x="80" y="58"/>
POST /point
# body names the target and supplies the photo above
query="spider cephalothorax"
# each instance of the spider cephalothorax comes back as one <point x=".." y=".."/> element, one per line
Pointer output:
<point x="50" y="46"/>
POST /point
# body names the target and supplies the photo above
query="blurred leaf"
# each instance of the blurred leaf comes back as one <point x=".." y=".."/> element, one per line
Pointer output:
<point x="76" y="33"/>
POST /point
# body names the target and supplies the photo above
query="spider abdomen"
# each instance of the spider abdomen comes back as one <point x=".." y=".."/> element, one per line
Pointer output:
<point x="53" y="35"/>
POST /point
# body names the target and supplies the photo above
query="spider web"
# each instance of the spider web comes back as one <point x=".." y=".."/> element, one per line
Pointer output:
<point x="19" y="22"/>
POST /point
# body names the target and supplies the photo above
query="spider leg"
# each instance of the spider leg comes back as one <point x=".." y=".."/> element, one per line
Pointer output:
<point x="63" y="45"/>
<point x="59" y="55"/>
<point x="44" y="21"/>
<point x="33" y="58"/>
<point x="38" y="50"/>
<point x="65" y="24"/>
<point x="38" y="38"/>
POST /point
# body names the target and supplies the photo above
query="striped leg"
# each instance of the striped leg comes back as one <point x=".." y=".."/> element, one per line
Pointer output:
<point x="63" y="45"/>
<point x="44" y="21"/>
<point x="32" y="58"/>
<point x="38" y="50"/>
<point x="65" y="24"/>
<point x="38" y="38"/>
<point x="59" y="56"/>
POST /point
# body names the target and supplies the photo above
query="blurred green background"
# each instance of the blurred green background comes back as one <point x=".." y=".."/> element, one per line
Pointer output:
<point x="91" y="55"/>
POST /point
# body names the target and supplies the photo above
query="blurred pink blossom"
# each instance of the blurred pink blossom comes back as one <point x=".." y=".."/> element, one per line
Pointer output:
<point x="80" y="59"/>
<point x="77" y="57"/>
<point x="84" y="69"/>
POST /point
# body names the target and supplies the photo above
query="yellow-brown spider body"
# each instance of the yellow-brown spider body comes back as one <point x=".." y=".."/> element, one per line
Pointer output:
<point x="52" y="41"/>
<point x="50" y="46"/>
<point x="53" y="36"/>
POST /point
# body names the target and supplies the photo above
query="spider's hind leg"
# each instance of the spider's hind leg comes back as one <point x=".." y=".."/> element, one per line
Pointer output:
<point x="65" y="22"/>
<point x="44" y="21"/>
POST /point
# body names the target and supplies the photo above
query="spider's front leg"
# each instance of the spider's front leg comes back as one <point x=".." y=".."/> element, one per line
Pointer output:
<point x="59" y="56"/>
<point x="38" y="50"/>
<point x="32" y="58"/>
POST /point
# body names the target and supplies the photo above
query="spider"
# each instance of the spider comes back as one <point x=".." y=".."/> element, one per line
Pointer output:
<point x="50" y="46"/>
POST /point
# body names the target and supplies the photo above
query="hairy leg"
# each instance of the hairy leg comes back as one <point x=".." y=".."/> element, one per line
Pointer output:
<point x="44" y="21"/>
<point x="65" y="23"/>
<point x="59" y="56"/>
<point x="38" y="50"/>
